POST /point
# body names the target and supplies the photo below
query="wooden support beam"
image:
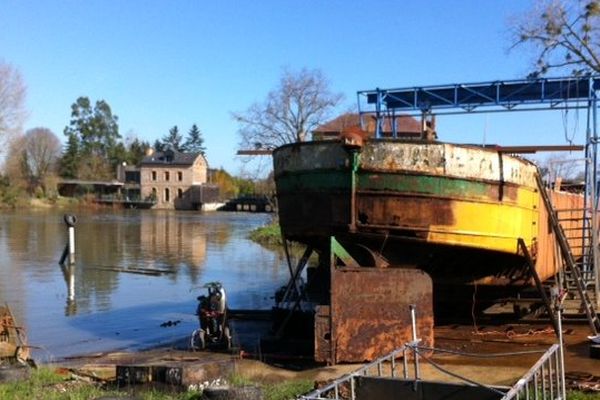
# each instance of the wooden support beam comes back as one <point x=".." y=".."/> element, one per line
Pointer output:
<point x="534" y="149"/>
<point x="258" y="152"/>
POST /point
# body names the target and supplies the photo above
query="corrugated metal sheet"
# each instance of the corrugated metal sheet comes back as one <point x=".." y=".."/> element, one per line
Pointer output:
<point x="546" y="254"/>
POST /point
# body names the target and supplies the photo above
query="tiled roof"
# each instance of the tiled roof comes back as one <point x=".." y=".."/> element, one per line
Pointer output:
<point x="405" y="123"/>
<point x="170" y="157"/>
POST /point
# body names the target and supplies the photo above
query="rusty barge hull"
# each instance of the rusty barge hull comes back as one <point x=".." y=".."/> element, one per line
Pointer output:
<point x="454" y="211"/>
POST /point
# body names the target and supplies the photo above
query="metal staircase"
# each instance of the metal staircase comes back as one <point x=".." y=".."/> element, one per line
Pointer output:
<point x="578" y="231"/>
<point x="573" y="268"/>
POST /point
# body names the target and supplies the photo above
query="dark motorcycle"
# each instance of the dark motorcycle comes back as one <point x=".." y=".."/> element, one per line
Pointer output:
<point x="212" y="317"/>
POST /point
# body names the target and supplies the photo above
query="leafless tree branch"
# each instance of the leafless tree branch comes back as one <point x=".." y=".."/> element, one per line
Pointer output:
<point x="12" y="103"/>
<point x="300" y="102"/>
<point x="563" y="33"/>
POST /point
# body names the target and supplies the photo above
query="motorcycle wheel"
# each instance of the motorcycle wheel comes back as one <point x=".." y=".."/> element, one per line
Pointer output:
<point x="198" y="340"/>
<point x="227" y="338"/>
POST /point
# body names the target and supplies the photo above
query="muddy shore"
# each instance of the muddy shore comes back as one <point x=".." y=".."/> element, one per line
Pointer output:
<point x="503" y="371"/>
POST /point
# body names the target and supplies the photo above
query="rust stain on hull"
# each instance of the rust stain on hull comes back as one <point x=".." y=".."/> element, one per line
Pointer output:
<point x="404" y="211"/>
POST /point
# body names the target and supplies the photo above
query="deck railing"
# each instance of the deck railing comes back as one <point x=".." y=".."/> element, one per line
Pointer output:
<point x="344" y="387"/>
<point x="544" y="381"/>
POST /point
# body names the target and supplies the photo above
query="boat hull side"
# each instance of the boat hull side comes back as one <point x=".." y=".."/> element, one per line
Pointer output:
<point x="455" y="212"/>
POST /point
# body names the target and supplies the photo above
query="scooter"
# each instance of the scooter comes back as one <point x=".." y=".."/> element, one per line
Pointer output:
<point x="212" y="317"/>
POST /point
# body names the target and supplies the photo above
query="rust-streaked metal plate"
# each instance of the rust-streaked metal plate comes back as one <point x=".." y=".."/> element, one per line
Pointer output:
<point x="370" y="313"/>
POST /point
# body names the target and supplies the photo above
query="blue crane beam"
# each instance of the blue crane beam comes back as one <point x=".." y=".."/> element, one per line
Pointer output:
<point x="542" y="92"/>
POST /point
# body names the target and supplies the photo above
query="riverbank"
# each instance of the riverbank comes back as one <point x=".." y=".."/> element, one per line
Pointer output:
<point x="48" y="383"/>
<point x="268" y="235"/>
<point x="46" y="203"/>
<point x="95" y="375"/>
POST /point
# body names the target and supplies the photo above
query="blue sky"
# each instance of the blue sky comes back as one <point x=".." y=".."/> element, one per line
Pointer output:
<point x="165" y="63"/>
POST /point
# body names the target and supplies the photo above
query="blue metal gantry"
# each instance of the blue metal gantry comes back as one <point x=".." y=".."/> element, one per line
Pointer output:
<point x="566" y="93"/>
<point x="482" y="97"/>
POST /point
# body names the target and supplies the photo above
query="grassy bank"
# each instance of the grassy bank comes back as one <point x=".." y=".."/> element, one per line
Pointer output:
<point x="268" y="235"/>
<point x="41" y="203"/>
<point x="47" y="384"/>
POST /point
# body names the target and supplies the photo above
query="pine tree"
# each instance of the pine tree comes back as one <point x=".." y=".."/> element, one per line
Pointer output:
<point x="137" y="151"/>
<point x="173" y="139"/>
<point x="96" y="131"/>
<point x="194" y="142"/>
<point x="69" y="163"/>
<point x="158" y="145"/>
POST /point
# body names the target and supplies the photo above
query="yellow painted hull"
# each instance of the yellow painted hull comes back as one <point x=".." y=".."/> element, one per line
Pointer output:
<point x="490" y="226"/>
<point x="455" y="211"/>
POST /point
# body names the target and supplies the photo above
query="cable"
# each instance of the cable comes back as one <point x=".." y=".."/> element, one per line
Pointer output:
<point x="472" y="382"/>
<point x="473" y="307"/>
<point x="477" y="355"/>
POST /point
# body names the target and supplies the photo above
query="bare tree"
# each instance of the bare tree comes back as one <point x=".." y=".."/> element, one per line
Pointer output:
<point x="12" y="103"/>
<point x="562" y="166"/>
<point x="562" y="34"/>
<point x="40" y="155"/>
<point x="301" y="102"/>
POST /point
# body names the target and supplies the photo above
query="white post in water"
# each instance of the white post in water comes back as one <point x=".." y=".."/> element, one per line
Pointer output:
<point x="71" y="245"/>
<point x="71" y="220"/>
<point x="71" y="283"/>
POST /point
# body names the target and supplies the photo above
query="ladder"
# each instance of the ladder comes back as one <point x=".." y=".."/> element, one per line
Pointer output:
<point x="571" y="266"/>
<point x="578" y="230"/>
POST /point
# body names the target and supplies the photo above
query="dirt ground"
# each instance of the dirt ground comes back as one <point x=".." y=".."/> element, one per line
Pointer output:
<point x="503" y="370"/>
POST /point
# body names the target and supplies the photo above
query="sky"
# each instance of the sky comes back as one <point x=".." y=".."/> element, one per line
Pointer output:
<point x="165" y="63"/>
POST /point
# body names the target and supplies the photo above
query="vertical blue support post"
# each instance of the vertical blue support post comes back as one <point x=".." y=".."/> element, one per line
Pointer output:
<point x="378" y="115"/>
<point x="595" y="204"/>
<point x="589" y="193"/>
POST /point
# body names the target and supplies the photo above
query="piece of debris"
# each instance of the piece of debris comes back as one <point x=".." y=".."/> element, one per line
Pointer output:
<point x="170" y="323"/>
<point x="13" y="341"/>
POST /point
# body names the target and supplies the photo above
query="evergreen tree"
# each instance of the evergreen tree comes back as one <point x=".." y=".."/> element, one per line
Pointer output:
<point x="158" y="145"/>
<point x="69" y="163"/>
<point x="137" y="151"/>
<point x="96" y="128"/>
<point x="194" y="142"/>
<point x="173" y="139"/>
<point x="118" y="154"/>
<point x="97" y="133"/>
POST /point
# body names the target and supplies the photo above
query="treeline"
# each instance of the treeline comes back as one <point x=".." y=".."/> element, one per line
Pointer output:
<point x="234" y="186"/>
<point x="94" y="148"/>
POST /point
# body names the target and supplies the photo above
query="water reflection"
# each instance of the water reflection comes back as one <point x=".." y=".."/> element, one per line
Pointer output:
<point x="57" y="305"/>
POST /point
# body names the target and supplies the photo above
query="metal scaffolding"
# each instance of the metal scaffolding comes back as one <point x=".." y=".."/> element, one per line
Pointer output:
<point x="386" y="106"/>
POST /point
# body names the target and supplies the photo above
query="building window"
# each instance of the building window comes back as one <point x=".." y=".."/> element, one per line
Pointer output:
<point x="167" y="195"/>
<point x="179" y="176"/>
<point x="153" y="195"/>
<point x="180" y="193"/>
<point x="167" y="175"/>
<point x="153" y="175"/>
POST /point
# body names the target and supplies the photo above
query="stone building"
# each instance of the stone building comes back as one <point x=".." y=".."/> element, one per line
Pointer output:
<point x="174" y="179"/>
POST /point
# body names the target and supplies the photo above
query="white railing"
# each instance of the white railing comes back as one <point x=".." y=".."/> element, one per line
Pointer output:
<point x="545" y="380"/>
<point x="344" y="387"/>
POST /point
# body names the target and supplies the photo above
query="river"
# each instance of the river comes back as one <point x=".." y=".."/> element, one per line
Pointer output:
<point x="119" y="310"/>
